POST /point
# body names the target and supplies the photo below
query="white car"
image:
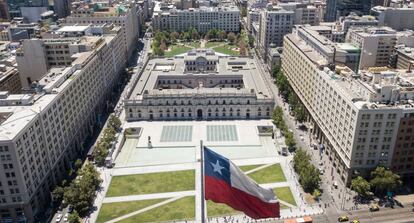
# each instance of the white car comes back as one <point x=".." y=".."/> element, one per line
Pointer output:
<point x="65" y="218"/>
<point x="59" y="217"/>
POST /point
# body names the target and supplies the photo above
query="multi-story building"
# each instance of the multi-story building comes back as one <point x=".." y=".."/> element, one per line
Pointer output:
<point x="354" y="20"/>
<point x="61" y="8"/>
<point x="405" y="58"/>
<point x="37" y="56"/>
<point x="275" y="22"/>
<point x="200" y="85"/>
<point x="354" y="118"/>
<point x="396" y="18"/>
<point x="42" y="133"/>
<point x="337" y="8"/>
<point x="124" y="15"/>
<point x="305" y="12"/>
<point x="377" y="44"/>
<point x="202" y="19"/>
<point x="253" y="16"/>
<point x="9" y="79"/>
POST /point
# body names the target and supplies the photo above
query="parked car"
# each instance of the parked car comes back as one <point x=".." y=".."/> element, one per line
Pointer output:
<point x="355" y="221"/>
<point x="59" y="217"/>
<point x="321" y="171"/>
<point x="65" y="218"/>
<point x="343" y="218"/>
<point x="374" y="207"/>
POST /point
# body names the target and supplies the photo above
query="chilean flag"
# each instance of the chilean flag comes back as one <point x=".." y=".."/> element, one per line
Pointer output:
<point x="226" y="183"/>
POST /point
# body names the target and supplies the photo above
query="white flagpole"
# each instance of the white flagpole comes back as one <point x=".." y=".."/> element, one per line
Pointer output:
<point x="203" y="202"/>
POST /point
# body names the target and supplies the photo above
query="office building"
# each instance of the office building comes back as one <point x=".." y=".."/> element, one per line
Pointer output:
<point x="378" y="44"/>
<point x="405" y="58"/>
<point x="9" y="79"/>
<point x="42" y="133"/>
<point x="354" y="118"/>
<point x="275" y="22"/>
<point x="124" y="15"/>
<point x="200" y="85"/>
<point x="337" y="8"/>
<point x="396" y="18"/>
<point x="61" y="8"/>
<point x="203" y="19"/>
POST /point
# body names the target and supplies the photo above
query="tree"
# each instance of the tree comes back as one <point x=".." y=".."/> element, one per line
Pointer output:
<point x="100" y="152"/>
<point x="57" y="194"/>
<point x="81" y="191"/>
<point x="251" y="40"/>
<point x="194" y="34"/>
<point x="361" y="186"/>
<point x="174" y="36"/>
<point x="242" y="48"/>
<point x="309" y="178"/>
<point x="289" y="140"/>
<point x="211" y="34"/>
<point x="78" y="164"/>
<point x="384" y="180"/>
<point x="231" y="37"/>
<point x="222" y="35"/>
<point x="73" y="217"/>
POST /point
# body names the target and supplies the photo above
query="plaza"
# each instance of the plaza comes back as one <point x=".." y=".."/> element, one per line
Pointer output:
<point x="156" y="173"/>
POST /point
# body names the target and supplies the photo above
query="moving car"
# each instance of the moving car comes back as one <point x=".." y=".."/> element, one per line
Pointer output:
<point x="355" y="221"/>
<point x="343" y="218"/>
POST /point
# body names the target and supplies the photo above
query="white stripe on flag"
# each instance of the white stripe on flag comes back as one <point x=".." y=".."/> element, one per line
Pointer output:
<point x="242" y="182"/>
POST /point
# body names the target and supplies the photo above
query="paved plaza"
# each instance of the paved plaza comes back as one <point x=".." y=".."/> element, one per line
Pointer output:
<point x="175" y="146"/>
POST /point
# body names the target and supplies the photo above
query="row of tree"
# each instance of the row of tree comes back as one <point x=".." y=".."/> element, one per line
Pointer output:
<point x="382" y="180"/>
<point x="80" y="193"/>
<point x="280" y="123"/>
<point x="103" y="146"/>
<point x="309" y="176"/>
<point x="297" y="108"/>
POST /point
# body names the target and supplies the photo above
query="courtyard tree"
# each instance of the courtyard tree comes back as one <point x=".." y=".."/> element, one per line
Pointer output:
<point x="222" y="35"/>
<point x="384" y="180"/>
<point x="231" y="37"/>
<point x="194" y="34"/>
<point x="174" y="36"/>
<point x="361" y="186"/>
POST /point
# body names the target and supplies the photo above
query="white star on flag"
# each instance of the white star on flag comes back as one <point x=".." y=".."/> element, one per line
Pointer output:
<point x="217" y="167"/>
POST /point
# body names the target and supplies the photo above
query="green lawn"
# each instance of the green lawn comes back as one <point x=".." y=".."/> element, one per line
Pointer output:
<point x="284" y="194"/>
<point x="152" y="183"/>
<point x="175" y="50"/>
<point x="269" y="174"/>
<point x="227" y="49"/>
<point x="179" y="210"/>
<point x="110" y="211"/>
<point x="217" y="209"/>
<point x="213" y="44"/>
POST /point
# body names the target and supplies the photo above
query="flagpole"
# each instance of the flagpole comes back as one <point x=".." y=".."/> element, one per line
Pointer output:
<point x="203" y="209"/>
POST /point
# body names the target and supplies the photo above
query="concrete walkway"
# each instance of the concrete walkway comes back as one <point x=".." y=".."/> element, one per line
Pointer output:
<point x="148" y="196"/>
<point x="143" y="210"/>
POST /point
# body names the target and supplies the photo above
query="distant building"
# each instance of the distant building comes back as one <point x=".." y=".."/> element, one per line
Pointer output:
<point x="61" y="8"/>
<point x="9" y="79"/>
<point x="377" y="44"/>
<point x="396" y="18"/>
<point x="37" y="56"/>
<point x="202" y="19"/>
<point x="200" y="85"/>
<point x="405" y="58"/>
<point x="118" y="14"/>
<point x="275" y="22"/>
<point x="337" y="8"/>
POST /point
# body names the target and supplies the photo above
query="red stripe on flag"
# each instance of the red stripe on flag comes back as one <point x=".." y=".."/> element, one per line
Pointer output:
<point x="221" y="192"/>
